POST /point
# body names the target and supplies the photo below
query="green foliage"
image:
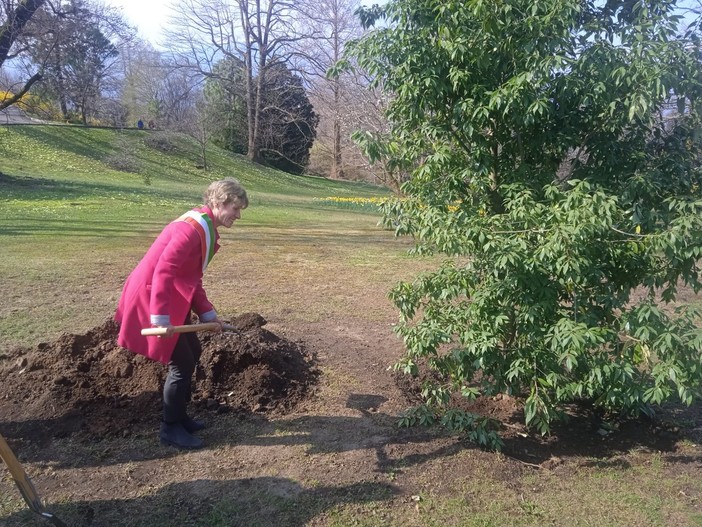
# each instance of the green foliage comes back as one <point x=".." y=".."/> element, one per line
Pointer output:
<point x="557" y="152"/>
<point x="224" y="93"/>
<point x="74" y="53"/>
<point x="287" y="121"/>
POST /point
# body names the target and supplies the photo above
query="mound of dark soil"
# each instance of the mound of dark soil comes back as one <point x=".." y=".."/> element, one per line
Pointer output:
<point x="87" y="384"/>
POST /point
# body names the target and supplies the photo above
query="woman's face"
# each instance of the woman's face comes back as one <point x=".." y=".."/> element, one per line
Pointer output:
<point x="226" y="214"/>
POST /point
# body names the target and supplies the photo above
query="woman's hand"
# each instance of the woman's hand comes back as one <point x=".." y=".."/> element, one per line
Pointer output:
<point x="220" y="323"/>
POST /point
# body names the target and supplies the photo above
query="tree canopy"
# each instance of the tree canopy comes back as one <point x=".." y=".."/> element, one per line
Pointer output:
<point x="556" y="148"/>
<point x="14" y="19"/>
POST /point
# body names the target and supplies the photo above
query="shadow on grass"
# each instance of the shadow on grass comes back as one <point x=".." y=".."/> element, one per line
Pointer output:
<point x="250" y="502"/>
<point x="39" y="188"/>
<point x="94" y="228"/>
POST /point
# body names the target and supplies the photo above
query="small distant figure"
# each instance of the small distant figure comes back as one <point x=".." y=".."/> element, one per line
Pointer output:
<point x="140" y="124"/>
<point x="152" y="124"/>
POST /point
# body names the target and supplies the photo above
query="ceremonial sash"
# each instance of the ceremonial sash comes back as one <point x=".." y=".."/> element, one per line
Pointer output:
<point x="205" y="228"/>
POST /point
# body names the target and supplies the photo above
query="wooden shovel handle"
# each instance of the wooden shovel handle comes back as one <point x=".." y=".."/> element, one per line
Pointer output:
<point x="24" y="484"/>
<point x="188" y="328"/>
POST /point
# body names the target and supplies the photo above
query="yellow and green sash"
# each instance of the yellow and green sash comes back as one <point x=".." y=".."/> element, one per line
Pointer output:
<point x="205" y="228"/>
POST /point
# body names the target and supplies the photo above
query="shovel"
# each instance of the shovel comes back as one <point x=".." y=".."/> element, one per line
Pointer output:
<point x="24" y="484"/>
<point x="189" y="328"/>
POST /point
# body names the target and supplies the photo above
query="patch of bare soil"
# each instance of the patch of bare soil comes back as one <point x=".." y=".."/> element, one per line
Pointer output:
<point x="87" y="385"/>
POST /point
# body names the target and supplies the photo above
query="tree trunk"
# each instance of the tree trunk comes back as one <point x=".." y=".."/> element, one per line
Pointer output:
<point x="337" y="170"/>
<point x="62" y="94"/>
<point x="254" y="140"/>
<point x="250" y="151"/>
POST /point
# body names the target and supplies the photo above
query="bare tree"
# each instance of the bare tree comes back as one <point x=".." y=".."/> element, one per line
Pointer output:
<point x="330" y="24"/>
<point x="261" y="33"/>
<point x="15" y="16"/>
<point x="200" y="124"/>
<point x="155" y="89"/>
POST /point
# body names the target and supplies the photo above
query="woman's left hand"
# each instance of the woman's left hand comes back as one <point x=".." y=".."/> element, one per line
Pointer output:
<point x="220" y="323"/>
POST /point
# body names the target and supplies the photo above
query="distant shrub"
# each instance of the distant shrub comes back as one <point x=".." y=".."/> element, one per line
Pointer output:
<point x="161" y="141"/>
<point x="124" y="162"/>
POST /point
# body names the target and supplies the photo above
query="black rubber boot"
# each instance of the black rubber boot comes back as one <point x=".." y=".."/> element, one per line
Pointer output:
<point x="192" y="425"/>
<point x="176" y="435"/>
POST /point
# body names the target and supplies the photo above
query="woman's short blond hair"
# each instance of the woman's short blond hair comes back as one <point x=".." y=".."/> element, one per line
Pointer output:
<point x="226" y="191"/>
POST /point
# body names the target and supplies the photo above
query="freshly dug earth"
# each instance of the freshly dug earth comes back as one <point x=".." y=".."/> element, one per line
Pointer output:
<point x="89" y="386"/>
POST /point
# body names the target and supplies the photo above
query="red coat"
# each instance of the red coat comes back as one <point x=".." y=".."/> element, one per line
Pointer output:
<point x="167" y="281"/>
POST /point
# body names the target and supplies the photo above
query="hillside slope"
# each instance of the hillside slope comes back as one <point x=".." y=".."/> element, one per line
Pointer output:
<point x="147" y="162"/>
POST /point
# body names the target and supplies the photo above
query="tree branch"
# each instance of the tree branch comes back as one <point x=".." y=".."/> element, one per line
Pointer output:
<point x="13" y="26"/>
<point x="17" y="96"/>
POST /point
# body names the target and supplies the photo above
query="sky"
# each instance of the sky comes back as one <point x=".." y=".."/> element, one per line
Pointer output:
<point x="147" y="15"/>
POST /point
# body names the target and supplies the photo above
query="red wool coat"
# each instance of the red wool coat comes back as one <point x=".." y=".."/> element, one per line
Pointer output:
<point x="167" y="281"/>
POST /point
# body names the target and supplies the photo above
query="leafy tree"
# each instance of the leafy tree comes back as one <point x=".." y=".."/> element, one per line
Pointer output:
<point x="288" y="121"/>
<point x="556" y="152"/>
<point x="14" y="19"/>
<point x="225" y="94"/>
<point x="261" y="33"/>
<point x="76" y="55"/>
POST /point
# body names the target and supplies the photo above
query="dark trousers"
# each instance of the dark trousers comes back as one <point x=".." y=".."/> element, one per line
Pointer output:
<point x="177" y="388"/>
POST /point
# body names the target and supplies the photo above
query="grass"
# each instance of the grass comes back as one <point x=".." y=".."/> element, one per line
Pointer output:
<point x="71" y="229"/>
<point x="639" y="497"/>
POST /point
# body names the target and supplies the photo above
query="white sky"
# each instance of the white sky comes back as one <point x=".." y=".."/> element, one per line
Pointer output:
<point x="149" y="16"/>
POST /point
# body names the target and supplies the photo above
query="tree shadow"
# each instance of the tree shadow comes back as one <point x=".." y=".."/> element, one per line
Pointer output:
<point x="47" y="441"/>
<point x="394" y="448"/>
<point x="66" y="441"/>
<point x="89" y="146"/>
<point x="585" y="435"/>
<point x="579" y="438"/>
<point x="249" y="502"/>
<point x="39" y="188"/>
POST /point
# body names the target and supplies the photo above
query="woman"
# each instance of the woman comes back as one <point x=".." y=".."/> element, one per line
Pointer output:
<point x="162" y="291"/>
